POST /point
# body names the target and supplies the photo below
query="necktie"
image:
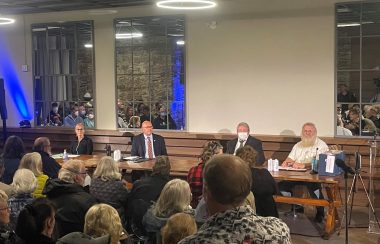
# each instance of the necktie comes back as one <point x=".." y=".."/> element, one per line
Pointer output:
<point x="241" y="144"/>
<point x="150" y="152"/>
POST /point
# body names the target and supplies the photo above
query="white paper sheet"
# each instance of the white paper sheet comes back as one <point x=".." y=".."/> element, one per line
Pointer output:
<point x="330" y="162"/>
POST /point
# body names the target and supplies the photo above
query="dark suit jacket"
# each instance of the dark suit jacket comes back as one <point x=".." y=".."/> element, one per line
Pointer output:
<point x="253" y="142"/>
<point x="49" y="165"/>
<point x="138" y="146"/>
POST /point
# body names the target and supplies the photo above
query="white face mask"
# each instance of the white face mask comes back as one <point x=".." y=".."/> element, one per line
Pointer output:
<point x="83" y="112"/>
<point x="90" y="116"/>
<point x="243" y="136"/>
<point x="55" y="109"/>
<point x="76" y="113"/>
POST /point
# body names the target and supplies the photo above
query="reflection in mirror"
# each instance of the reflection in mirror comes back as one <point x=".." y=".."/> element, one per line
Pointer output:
<point x="63" y="71"/>
<point x="358" y="68"/>
<point x="150" y="71"/>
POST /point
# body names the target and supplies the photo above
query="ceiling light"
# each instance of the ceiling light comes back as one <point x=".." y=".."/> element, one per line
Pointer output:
<point x="129" y="35"/>
<point x="186" y="4"/>
<point x="180" y="42"/>
<point x="353" y="24"/>
<point x="6" y="21"/>
<point x="88" y="45"/>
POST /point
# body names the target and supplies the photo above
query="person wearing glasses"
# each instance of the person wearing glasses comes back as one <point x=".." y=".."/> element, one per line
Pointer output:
<point x="70" y="198"/>
<point x="50" y="167"/>
<point x="82" y="144"/>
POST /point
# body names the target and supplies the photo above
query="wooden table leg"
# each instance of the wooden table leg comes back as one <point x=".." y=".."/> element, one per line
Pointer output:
<point x="331" y="212"/>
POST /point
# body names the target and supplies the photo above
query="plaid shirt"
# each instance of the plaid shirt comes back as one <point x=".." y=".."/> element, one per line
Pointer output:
<point x="195" y="179"/>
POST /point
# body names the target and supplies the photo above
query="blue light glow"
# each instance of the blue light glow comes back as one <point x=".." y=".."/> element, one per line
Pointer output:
<point x="12" y="83"/>
<point x="178" y="104"/>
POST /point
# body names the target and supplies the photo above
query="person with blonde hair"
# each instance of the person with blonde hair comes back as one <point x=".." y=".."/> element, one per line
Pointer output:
<point x="6" y="235"/>
<point x="107" y="186"/>
<point x="178" y="226"/>
<point x="33" y="161"/>
<point x="24" y="183"/>
<point x="102" y="219"/>
<point x="70" y="198"/>
<point x="174" y="198"/>
<point x="194" y="176"/>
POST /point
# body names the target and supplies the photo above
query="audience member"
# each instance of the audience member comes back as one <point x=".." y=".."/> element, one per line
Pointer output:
<point x="9" y="190"/>
<point x="54" y="117"/>
<point x="73" y="118"/>
<point x="354" y="121"/>
<point x="345" y="96"/>
<point x="69" y="197"/>
<point x="174" y="198"/>
<point x="227" y="182"/>
<point x="164" y="120"/>
<point x="12" y="153"/>
<point x="129" y="114"/>
<point x="24" y="183"/>
<point x="102" y="219"/>
<point x="300" y="157"/>
<point x="107" y="187"/>
<point x="82" y="111"/>
<point x="81" y="238"/>
<point x="147" y="190"/>
<point x="245" y="139"/>
<point x="89" y="121"/>
<point x="36" y="222"/>
<point x="50" y="167"/>
<point x="145" y="116"/>
<point x="82" y="144"/>
<point x="33" y="162"/>
<point x="7" y="236"/>
<point x="178" y="226"/>
<point x="147" y="144"/>
<point x="195" y="175"/>
<point x="134" y="122"/>
<point x="140" y="108"/>
<point x="263" y="184"/>
<point x="372" y="113"/>
<point x="340" y="130"/>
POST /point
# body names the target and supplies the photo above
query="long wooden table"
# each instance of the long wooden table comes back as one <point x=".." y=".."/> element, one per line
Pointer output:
<point x="181" y="165"/>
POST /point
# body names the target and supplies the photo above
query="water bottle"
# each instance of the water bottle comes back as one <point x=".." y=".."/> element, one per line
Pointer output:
<point x="275" y="165"/>
<point x="65" y="155"/>
<point x="270" y="164"/>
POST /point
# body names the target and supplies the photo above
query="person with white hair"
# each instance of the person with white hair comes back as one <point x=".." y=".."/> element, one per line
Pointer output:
<point x="69" y="197"/>
<point x="24" y="183"/>
<point x="6" y="235"/>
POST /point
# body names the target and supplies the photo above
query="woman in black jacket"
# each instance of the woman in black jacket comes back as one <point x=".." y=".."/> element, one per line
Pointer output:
<point x="83" y="144"/>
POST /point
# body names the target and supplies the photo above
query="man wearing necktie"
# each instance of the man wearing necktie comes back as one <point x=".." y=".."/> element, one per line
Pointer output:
<point x="245" y="139"/>
<point x="147" y="144"/>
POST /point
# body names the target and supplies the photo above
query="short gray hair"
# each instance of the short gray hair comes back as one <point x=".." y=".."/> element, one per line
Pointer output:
<point x="70" y="169"/>
<point x="244" y="124"/>
<point x="24" y="181"/>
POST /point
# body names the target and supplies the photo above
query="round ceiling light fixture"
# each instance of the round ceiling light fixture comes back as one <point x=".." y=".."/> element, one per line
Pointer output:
<point x="6" y="21"/>
<point x="186" y="4"/>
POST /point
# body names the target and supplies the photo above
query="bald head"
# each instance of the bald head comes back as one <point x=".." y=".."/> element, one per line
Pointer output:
<point x="228" y="179"/>
<point x="147" y="128"/>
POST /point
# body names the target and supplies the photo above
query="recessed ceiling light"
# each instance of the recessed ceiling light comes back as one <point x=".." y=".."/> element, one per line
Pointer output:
<point x="186" y="4"/>
<point x="6" y="21"/>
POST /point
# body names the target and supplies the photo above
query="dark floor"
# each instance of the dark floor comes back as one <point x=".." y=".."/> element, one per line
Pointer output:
<point x="304" y="230"/>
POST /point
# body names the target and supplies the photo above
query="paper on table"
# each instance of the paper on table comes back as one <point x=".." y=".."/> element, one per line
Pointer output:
<point x="73" y="155"/>
<point x="330" y="161"/>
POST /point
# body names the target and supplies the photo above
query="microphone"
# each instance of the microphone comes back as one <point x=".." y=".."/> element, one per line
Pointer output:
<point x="341" y="164"/>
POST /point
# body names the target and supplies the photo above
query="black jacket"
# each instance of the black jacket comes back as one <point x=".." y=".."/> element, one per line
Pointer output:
<point x="84" y="147"/>
<point x="253" y="142"/>
<point x="263" y="188"/>
<point x="71" y="202"/>
<point x="49" y="165"/>
<point x="138" y="146"/>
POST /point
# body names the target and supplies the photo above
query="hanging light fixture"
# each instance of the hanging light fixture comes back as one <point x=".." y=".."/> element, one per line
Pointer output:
<point x="186" y="4"/>
<point x="6" y="21"/>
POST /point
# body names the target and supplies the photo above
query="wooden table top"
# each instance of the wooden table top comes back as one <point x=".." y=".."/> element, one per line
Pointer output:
<point x="182" y="165"/>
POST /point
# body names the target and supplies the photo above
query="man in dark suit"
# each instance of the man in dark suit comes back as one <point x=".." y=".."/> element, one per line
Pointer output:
<point x="147" y="144"/>
<point x="245" y="139"/>
<point x="50" y="167"/>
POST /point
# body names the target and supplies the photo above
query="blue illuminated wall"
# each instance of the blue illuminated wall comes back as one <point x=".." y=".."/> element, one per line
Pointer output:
<point x="13" y="85"/>
<point x="178" y="105"/>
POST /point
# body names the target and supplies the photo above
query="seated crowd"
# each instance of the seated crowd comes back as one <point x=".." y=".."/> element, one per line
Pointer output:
<point x="226" y="198"/>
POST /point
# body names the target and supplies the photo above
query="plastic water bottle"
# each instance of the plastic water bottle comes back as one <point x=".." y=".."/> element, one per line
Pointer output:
<point x="65" y="155"/>
<point x="275" y="165"/>
<point x="270" y="164"/>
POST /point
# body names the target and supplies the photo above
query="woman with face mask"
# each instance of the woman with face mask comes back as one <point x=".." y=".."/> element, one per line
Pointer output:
<point x="89" y="121"/>
<point x="54" y="116"/>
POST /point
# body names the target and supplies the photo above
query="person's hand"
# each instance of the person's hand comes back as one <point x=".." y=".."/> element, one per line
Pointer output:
<point x="287" y="163"/>
<point x="298" y="165"/>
